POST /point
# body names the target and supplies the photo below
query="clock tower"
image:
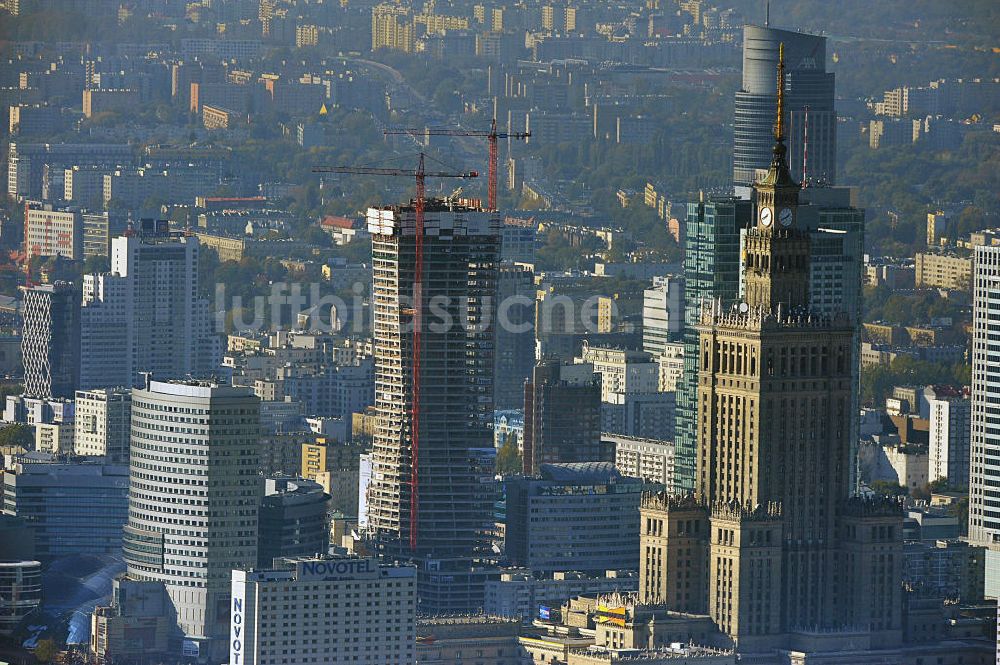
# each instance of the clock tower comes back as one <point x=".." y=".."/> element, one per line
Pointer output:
<point x="776" y="253"/>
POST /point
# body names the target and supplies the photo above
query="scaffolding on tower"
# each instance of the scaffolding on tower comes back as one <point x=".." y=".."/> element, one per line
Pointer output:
<point x="420" y="175"/>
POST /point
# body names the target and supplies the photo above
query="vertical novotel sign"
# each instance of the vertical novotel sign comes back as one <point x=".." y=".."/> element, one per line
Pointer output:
<point x="237" y="626"/>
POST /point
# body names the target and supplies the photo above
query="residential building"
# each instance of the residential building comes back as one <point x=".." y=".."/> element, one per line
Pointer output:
<point x="943" y="271"/>
<point x="623" y="372"/>
<point x="984" y="450"/>
<point x="662" y="315"/>
<point x="74" y="508"/>
<point x="145" y="314"/>
<point x="292" y="520"/>
<point x="54" y="438"/>
<point x="433" y="389"/>
<point x="53" y="231"/>
<point x="948" y="447"/>
<point x="579" y="516"/>
<point x="671" y="362"/>
<point x="649" y="459"/>
<point x="193" y="500"/>
<point x="649" y="415"/>
<point x="50" y="340"/>
<point x="26" y="162"/>
<point x="102" y="423"/>
<point x="809" y="98"/>
<point x="99" y="229"/>
<point x="335" y="466"/>
<point x="295" y="612"/>
<point x="562" y="415"/>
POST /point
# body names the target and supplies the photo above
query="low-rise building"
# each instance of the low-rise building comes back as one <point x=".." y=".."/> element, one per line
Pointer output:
<point x="649" y="459"/>
<point x="582" y="516"/>
<point x="943" y="271"/>
<point x="520" y="593"/>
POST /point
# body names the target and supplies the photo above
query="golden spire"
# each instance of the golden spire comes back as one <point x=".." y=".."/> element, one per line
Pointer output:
<point x="779" y="126"/>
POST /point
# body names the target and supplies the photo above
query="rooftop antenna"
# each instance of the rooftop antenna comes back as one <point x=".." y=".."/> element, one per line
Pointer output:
<point x="767" y="14"/>
<point x="805" y="149"/>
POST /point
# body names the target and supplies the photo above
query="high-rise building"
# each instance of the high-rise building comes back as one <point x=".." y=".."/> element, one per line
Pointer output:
<point x="296" y="612"/>
<point x="515" y="345"/>
<point x="292" y="520"/>
<point x="711" y="272"/>
<point x="193" y="500"/>
<point x="984" y="469"/>
<point x="102" y="423"/>
<point x="562" y="415"/>
<point x="950" y="416"/>
<point x="809" y="100"/>
<point x="662" y="314"/>
<point x="53" y="231"/>
<point x="146" y="315"/>
<point x="433" y="380"/>
<point x="50" y="340"/>
<point x="786" y="554"/>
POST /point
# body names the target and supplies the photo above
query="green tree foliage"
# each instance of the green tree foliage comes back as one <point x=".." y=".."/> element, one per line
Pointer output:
<point x="888" y="488"/>
<point x="508" y="458"/>
<point x="17" y="434"/>
<point x="46" y="651"/>
<point x="877" y="381"/>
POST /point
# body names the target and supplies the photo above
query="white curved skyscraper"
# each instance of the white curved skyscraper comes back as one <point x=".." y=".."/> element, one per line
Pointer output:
<point x="194" y="494"/>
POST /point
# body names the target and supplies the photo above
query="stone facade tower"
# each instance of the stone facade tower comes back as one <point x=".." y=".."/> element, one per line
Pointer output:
<point x="786" y="545"/>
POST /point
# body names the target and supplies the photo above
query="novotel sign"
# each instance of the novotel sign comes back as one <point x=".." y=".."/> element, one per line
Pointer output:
<point x="335" y="569"/>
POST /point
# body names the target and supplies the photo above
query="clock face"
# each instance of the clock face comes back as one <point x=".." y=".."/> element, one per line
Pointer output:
<point x="766" y="217"/>
<point x="785" y="216"/>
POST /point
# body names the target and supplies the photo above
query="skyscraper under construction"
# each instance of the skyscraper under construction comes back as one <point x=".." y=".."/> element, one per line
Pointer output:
<point x="434" y="310"/>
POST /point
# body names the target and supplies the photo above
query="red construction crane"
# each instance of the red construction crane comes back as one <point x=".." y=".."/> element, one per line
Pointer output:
<point x="492" y="135"/>
<point x="420" y="174"/>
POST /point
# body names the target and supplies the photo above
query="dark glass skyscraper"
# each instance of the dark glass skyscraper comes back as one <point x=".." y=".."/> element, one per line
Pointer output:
<point x="809" y="100"/>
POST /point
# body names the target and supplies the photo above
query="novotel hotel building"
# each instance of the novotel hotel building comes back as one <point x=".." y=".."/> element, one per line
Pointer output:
<point x="324" y="611"/>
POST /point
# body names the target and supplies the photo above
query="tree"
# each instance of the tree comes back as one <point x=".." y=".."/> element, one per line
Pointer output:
<point x="45" y="651"/>
<point x="508" y="459"/>
<point x="888" y="488"/>
<point x="17" y="435"/>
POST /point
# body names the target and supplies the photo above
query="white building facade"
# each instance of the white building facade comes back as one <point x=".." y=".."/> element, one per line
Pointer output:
<point x="984" y="468"/>
<point x="194" y="494"/>
<point x="327" y="610"/>
<point x="102" y="423"/>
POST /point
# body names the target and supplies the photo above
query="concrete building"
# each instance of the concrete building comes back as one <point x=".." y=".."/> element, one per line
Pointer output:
<point x="335" y="466"/>
<point x="54" y="438"/>
<point x="73" y="508"/>
<point x="943" y="271"/>
<point x="650" y="415"/>
<point x="622" y="371"/>
<point x="50" y="340"/>
<point x="580" y="516"/>
<point x="292" y="520"/>
<point x="662" y="315"/>
<point x="99" y="228"/>
<point x="671" y="362"/>
<point x="426" y="497"/>
<point x="949" y="569"/>
<point x="984" y="452"/>
<point x="950" y="415"/>
<point x="193" y="500"/>
<point x="649" y="459"/>
<point x="785" y="553"/>
<point x="809" y="96"/>
<point x="296" y="612"/>
<point x="145" y="315"/>
<point x="137" y="624"/>
<point x="53" y="231"/>
<point x="520" y="593"/>
<point x="562" y="415"/>
<point x="102" y="423"/>
<point x="26" y="162"/>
